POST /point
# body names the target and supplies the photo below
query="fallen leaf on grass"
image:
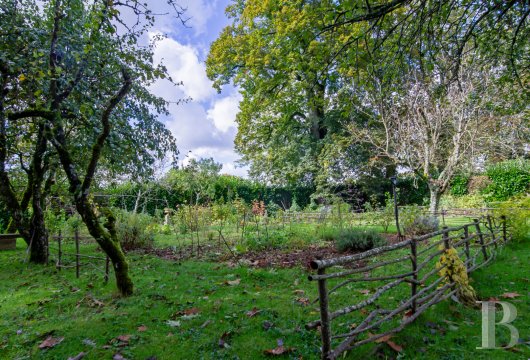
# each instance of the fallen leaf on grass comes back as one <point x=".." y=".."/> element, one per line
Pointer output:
<point x="50" y="342"/>
<point x="364" y="291"/>
<point x="173" y="323"/>
<point x="303" y="301"/>
<point x="510" y="295"/>
<point x="394" y="346"/>
<point x="386" y="340"/>
<point x="89" y="342"/>
<point x="299" y="292"/>
<point x="267" y="325"/>
<point x="124" y="338"/>
<point x="78" y="356"/>
<point x="253" y="312"/>
<point x="232" y="282"/>
<point x="383" y="339"/>
<point x="142" y="328"/>
<point x="206" y="323"/>
<point x="222" y="340"/>
<point x="280" y="350"/>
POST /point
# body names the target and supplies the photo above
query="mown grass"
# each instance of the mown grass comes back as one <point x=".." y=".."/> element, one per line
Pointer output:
<point x="36" y="301"/>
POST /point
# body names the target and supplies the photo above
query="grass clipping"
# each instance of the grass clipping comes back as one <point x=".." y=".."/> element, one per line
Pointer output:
<point x="452" y="269"/>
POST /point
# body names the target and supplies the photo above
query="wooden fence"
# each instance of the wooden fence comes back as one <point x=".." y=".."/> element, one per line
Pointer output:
<point x="384" y="308"/>
<point x="78" y="256"/>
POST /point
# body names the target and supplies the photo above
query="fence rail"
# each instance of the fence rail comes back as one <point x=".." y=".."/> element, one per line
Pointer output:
<point x="415" y="267"/>
<point x="78" y="256"/>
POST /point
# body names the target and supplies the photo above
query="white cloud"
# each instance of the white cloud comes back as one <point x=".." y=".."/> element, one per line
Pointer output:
<point x="182" y="62"/>
<point x="223" y="112"/>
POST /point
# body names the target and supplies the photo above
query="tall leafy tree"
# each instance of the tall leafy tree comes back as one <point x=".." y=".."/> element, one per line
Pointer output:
<point x="80" y="86"/>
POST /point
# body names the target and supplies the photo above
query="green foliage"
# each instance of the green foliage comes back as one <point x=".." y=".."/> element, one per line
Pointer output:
<point x="458" y="185"/>
<point x="358" y="240"/>
<point x="55" y="221"/>
<point x="509" y="178"/>
<point x="131" y="230"/>
<point x="328" y="233"/>
<point x="276" y="239"/>
<point x="517" y="212"/>
<point x="469" y="201"/>
<point x="414" y="222"/>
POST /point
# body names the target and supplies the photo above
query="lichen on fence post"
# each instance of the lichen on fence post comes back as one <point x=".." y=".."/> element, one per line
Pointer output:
<point x="413" y="258"/>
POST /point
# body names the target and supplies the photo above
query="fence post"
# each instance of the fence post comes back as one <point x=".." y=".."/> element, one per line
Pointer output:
<point x="445" y="237"/>
<point x="60" y="253"/>
<point x="325" y="326"/>
<point x="490" y="224"/>
<point x="480" y="238"/>
<point x="503" y="221"/>
<point x="77" y="253"/>
<point x="466" y="245"/>
<point x="413" y="258"/>
<point x="107" y="261"/>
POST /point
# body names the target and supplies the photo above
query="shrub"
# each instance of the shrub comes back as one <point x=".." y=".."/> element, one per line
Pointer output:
<point x="327" y="233"/>
<point x="272" y="240"/>
<point x="358" y="240"/>
<point x="509" y="178"/>
<point x="132" y="232"/>
<point x="459" y="185"/>
<point x="470" y="201"/>
<point x="517" y="212"/>
<point x="477" y="184"/>
<point x="414" y="222"/>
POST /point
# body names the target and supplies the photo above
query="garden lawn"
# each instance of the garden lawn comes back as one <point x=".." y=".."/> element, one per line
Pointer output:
<point x="201" y="310"/>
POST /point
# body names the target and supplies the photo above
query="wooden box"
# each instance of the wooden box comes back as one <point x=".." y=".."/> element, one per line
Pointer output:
<point x="8" y="241"/>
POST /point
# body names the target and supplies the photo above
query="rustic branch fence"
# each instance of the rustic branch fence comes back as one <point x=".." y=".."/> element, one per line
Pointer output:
<point x="410" y="263"/>
<point x="78" y="256"/>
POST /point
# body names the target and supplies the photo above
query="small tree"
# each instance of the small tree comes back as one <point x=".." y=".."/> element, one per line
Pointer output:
<point x="431" y="127"/>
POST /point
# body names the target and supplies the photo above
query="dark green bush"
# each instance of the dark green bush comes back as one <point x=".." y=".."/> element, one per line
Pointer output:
<point x="459" y="185"/>
<point x="509" y="178"/>
<point x="358" y="240"/>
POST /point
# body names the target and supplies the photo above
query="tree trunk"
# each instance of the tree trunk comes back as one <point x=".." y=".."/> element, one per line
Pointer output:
<point x="39" y="237"/>
<point x="434" y="203"/>
<point x="108" y="241"/>
<point x="39" y="234"/>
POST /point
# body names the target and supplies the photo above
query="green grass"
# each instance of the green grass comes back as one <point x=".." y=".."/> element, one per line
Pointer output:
<point x="38" y="300"/>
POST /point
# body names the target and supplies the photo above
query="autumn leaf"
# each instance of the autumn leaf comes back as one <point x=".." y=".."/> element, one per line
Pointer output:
<point x="253" y="312"/>
<point x="173" y="323"/>
<point x="364" y="291"/>
<point x="383" y="339"/>
<point x="50" y="342"/>
<point x="303" y="301"/>
<point x="510" y="295"/>
<point x="394" y="346"/>
<point x="192" y="311"/>
<point x="232" y="282"/>
<point x="142" y="328"/>
<point x="222" y="340"/>
<point x="124" y="338"/>
<point x="279" y="350"/>
<point x="78" y="356"/>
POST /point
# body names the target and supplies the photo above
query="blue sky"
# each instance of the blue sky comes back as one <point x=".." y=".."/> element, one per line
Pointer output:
<point x="206" y="125"/>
